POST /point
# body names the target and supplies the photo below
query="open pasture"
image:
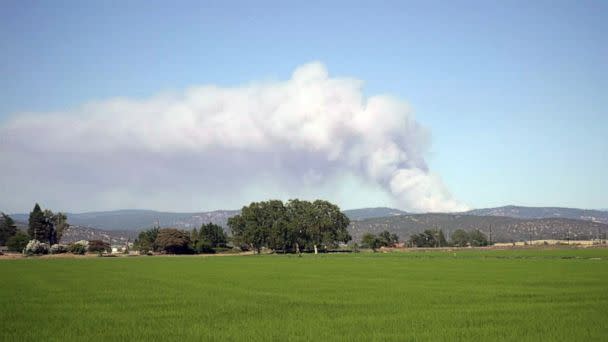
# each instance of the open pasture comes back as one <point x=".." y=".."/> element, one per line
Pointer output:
<point x="534" y="295"/>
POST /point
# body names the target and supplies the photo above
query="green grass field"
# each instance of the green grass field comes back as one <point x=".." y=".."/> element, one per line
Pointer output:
<point x="534" y="295"/>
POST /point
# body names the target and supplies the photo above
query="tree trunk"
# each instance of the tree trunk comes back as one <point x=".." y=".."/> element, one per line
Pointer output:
<point x="297" y="248"/>
<point x="316" y="251"/>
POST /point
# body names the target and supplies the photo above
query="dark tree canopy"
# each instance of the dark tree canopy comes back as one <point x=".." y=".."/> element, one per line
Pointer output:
<point x="46" y="226"/>
<point x="59" y="222"/>
<point x="7" y="228"/>
<point x="17" y="242"/>
<point x="98" y="246"/>
<point x="146" y="240"/>
<point x="209" y="237"/>
<point x="37" y="227"/>
<point x="371" y="241"/>
<point x="477" y="238"/>
<point x="460" y="238"/>
<point x="387" y="239"/>
<point x="429" y="238"/>
<point x="474" y="238"/>
<point x="173" y="241"/>
<point x="384" y="239"/>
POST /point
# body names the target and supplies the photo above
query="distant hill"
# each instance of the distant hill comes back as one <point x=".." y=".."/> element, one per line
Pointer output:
<point x="77" y="233"/>
<point x="365" y="213"/>
<point x="135" y="220"/>
<point x="543" y="212"/>
<point x="509" y="222"/>
<point x="504" y="229"/>
<point x="114" y="237"/>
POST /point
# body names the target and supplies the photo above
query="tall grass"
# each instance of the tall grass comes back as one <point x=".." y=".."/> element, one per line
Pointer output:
<point x="532" y="295"/>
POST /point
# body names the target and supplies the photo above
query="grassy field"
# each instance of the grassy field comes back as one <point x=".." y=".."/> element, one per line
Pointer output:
<point x="534" y="295"/>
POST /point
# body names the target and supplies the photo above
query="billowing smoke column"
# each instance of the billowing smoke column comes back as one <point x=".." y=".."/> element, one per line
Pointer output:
<point x="298" y="132"/>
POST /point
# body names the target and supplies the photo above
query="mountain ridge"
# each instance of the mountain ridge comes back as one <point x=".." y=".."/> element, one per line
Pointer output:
<point x="499" y="228"/>
<point x="138" y="219"/>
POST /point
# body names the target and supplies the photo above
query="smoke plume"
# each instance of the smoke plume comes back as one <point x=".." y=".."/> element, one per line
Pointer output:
<point x="209" y="141"/>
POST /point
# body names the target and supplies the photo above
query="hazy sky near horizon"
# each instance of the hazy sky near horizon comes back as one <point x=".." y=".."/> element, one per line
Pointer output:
<point x="421" y="105"/>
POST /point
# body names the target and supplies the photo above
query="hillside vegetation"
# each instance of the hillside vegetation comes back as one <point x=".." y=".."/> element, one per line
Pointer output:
<point x="501" y="229"/>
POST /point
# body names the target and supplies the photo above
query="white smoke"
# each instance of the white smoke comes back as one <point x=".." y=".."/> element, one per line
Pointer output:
<point x="297" y="133"/>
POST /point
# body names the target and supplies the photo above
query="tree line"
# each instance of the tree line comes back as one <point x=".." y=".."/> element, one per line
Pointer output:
<point x="291" y="227"/>
<point x="208" y="239"/>
<point x="459" y="238"/>
<point x="384" y="239"/>
<point x="428" y="238"/>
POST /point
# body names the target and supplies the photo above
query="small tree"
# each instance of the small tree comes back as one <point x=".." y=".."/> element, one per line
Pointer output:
<point x="212" y="235"/>
<point x="17" y="242"/>
<point x="477" y="238"/>
<point x="371" y="241"/>
<point x="146" y="241"/>
<point x="77" y="248"/>
<point x="460" y="238"/>
<point x="387" y="239"/>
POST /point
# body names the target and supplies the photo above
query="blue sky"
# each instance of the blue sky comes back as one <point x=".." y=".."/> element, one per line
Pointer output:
<point x="514" y="93"/>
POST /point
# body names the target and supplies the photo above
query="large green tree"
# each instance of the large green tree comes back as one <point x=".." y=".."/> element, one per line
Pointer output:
<point x="290" y="227"/>
<point x="296" y="212"/>
<point x="327" y="225"/>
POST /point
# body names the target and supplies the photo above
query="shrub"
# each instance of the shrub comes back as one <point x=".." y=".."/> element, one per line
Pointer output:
<point x="204" y="247"/>
<point x="59" y="249"/>
<point x="85" y="243"/>
<point x="35" y="247"/>
<point x="17" y="242"/>
<point x="173" y="241"/>
<point x="77" y="248"/>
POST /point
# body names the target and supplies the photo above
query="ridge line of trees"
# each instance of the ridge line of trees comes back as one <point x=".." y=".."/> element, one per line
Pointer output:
<point x="459" y="238"/>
